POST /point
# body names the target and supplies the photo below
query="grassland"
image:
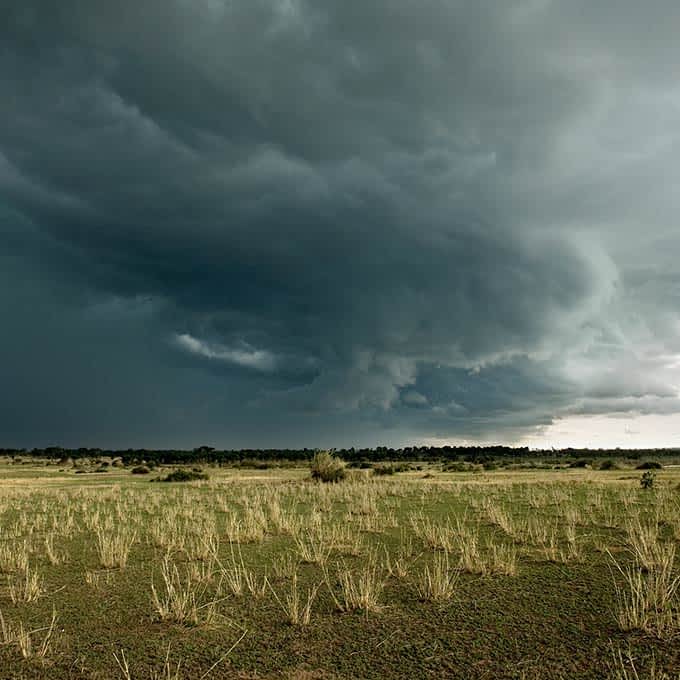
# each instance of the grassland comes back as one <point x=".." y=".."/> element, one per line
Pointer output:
<point x="266" y="574"/>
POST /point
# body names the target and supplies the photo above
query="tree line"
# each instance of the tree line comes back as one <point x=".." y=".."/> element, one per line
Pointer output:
<point x="213" y="456"/>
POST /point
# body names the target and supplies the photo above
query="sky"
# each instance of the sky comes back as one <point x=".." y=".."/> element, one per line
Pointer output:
<point x="315" y="223"/>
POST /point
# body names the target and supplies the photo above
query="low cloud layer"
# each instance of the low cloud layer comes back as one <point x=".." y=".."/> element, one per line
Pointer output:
<point x="272" y="223"/>
<point x="258" y="360"/>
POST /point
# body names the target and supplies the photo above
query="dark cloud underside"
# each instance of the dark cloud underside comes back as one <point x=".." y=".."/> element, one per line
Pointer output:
<point x="299" y="223"/>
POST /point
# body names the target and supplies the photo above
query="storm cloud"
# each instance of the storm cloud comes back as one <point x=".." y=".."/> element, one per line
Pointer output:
<point x="290" y="223"/>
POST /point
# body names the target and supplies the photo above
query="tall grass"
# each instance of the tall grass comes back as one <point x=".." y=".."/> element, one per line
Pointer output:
<point x="23" y="639"/>
<point x="179" y="599"/>
<point x="296" y="607"/>
<point x="113" y="545"/>
<point x="25" y="587"/>
<point x="359" y="589"/>
<point x="648" y="601"/>
<point x="437" y="582"/>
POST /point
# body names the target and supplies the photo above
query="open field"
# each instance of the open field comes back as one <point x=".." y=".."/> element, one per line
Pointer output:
<point x="266" y="574"/>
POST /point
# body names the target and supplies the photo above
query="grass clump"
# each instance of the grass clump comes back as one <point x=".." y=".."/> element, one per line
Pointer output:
<point x="22" y="638"/>
<point x="649" y="601"/>
<point x="328" y="468"/>
<point x="359" y="589"/>
<point x="178" y="599"/>
<point x="437" y="583"/>
<point x="113" y="546"/>
<point x="296" y="607"/>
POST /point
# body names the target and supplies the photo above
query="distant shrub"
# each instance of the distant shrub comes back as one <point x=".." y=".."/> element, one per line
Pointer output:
<point x="580" y="463"/>
<point x="140" y="470"/>
<point x="184" y="476"/>
<point x="649" y="465"/>
<point x="457" y="467"/>
<point x="327" y="468"/>
<point x="383" y="470"/>
<point x="647" y="480"/>
<point x="390" y="468"/>
<point x="608" y="464"/>
<point x="361" y="465"/>
<point x="254" y="464"/>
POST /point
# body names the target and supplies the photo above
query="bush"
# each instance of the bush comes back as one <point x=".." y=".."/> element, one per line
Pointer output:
<point x="327" y="468"/>
<point x="383" y="470"/>
<point x="361" y="465"/>
<point x="647" y="480"/>
<point x="140" y="470"/>
<point x="184" y="476"/>
<point x="457" y="467"/>
<point x="649" y="465"/>
<point x="390" y="468"/>
<point x="608" y="464"/>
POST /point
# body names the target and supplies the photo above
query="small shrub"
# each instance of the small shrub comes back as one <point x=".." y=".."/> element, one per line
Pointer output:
<point x="649" y="465"/>
<point x="580" y="463"/>
<point x="608" y="464"/>
<point x="184" y="476"/>
<point x="456" y="467"/>
<point x="140" y="470"/>
<point x="383" y="470"/>
<point x="647" y="480"/>
<point x="327" y="468"/>
<point x="390" y="468"/>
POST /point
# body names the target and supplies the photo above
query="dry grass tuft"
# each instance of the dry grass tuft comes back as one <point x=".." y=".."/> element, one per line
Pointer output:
<point x="438" y="582"/>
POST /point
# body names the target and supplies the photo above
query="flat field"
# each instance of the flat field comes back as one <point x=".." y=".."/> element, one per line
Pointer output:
<point x="266" y="574"/>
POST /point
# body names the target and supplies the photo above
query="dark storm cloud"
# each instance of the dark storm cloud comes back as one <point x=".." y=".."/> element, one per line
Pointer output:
<point x="245" y="220"/>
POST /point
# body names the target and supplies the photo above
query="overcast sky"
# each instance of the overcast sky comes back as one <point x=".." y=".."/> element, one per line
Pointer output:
<point x="277" y="223"/>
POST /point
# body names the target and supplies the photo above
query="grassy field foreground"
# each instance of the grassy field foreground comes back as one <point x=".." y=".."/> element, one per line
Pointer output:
<point x="568" y="574"/>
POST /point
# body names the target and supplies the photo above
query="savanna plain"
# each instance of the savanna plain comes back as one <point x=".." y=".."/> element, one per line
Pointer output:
<point x="569" y="573"/>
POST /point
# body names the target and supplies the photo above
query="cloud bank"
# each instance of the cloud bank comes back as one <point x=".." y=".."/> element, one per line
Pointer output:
<point x="321" y="223"/>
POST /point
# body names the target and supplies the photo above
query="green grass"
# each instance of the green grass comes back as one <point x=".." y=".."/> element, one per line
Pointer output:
<point x="554" y="617"/>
